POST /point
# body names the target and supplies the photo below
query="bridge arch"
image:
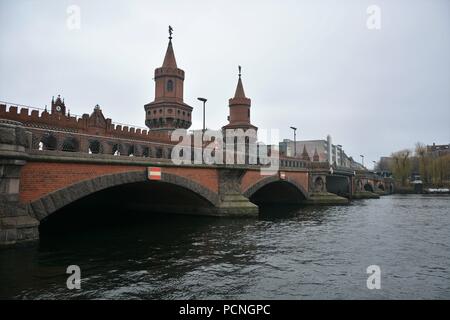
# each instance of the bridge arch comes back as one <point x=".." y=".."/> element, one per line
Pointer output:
<point x="273" y="189"/>
<point x="368" y="187"/>
<point x="54" y="201"/>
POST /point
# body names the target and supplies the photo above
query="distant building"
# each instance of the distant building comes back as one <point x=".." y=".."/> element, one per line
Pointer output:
<point x="438" y="150"/>
<point x="318" y="150"/>
<point x="384" y="164"/>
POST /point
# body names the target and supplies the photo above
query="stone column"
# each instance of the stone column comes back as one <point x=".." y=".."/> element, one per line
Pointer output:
<point x="232" y="202"/>
<point x="16" y="225"/>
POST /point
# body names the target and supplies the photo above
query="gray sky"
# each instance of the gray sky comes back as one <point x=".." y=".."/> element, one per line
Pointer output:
<point x="310" y="64"/>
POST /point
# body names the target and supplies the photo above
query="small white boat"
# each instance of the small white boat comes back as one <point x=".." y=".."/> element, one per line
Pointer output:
<point x="438" y="190"/>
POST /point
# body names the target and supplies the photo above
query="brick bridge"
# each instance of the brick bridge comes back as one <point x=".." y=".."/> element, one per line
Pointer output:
<point x="36" y="183"/>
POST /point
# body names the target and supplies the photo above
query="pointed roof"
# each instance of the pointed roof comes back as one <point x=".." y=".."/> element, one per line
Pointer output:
<point x="305" y="155"/>
<point x="169" y="59"/>
<point x="239" y="89"/>
<point x="316" y="155"/>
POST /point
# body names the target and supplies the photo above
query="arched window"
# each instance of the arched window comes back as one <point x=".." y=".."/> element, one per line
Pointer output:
<point x="70" y="144"/>
<point x="159" y="152"/>
<point x="49" y="142"/>
<point x="169" y="85"/>
<point x="116" y="148"/>
<point x="95" y="146"/>
<point x="145" y="151"/>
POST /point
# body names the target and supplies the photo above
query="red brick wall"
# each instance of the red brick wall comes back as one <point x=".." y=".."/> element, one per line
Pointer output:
<point x="40" y="178"/>
<point x="252" y="177"/>
<point x="208" y="178"/>
<point x="300" y="177"/>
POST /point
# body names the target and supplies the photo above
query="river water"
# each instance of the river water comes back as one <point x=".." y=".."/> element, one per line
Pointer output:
<point x="309" y="253"/>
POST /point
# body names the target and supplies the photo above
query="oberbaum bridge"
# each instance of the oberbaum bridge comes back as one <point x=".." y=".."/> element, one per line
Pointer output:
<point x="50" y="159"/>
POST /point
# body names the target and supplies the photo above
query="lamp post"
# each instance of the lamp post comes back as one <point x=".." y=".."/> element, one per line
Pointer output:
<point x="362" y="159"/>
<point x="295" y="141"/>
<point x="204" y="102"/>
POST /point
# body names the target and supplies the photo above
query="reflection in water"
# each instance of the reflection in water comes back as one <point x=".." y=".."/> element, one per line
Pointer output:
<point x="309" y="252"/>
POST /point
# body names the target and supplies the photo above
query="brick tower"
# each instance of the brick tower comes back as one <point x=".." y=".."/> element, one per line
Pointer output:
<point x="58" y="106"/>
<point x="168" y="111"/>
<point x="239" y="117"/>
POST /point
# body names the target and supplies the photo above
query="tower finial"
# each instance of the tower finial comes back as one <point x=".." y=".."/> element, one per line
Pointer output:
<point x="170" y="32"/>
<point x="240" y="70"/>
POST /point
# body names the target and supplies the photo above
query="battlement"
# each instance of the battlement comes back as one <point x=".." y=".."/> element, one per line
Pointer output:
<point x="94" y="124"/>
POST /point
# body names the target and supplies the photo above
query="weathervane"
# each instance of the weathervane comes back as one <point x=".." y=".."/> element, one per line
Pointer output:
<point x="240" y="68"/>
<point x="170" y="32"/>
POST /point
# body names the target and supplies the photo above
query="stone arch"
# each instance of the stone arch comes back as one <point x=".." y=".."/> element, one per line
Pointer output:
<point x="368" y="187"/>
<point x="145" y="151"/>
<point x="159" y="153"/>
<point x="117" y="148"/>
<point x="261" y="183"/>
<point x="131" y="149"/>
<point x="56" y="200"/>
<point x="49" y="141"/>
<point x="95" y="146"/>
<point x="70" y="144"/>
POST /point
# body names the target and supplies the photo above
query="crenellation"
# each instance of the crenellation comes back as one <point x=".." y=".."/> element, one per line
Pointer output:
<point x="24" y="112"/>
<point x="34" y="114"/>
<point x="13" y="110"/>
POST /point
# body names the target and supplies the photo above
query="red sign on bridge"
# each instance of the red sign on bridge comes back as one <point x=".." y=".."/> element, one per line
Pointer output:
<point x="154" y="173"/>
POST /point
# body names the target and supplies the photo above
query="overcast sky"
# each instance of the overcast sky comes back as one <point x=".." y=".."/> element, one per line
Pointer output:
<point x="310" y="64"/>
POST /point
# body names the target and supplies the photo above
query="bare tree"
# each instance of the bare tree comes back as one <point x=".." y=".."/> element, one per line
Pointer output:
<point x="424" y="161"/>
<point x="401" y="166"/>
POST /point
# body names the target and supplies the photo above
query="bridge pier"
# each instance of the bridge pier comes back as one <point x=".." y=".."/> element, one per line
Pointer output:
<point x="16" y="225"/>
<point x="319" y="193"/>
<point x="232" y="202"/>
<point x="361" y="192"/>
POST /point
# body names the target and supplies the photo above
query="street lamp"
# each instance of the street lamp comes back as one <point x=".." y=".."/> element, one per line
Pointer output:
<point x="362" y="159"/>
<point x="295" y="141"/>
<point x="204" y="102"/>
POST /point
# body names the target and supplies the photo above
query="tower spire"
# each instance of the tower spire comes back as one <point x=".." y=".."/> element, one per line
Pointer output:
<point x="169" y="58"/>
<point x="240" y="88"/>
<point x="239" y="107"/>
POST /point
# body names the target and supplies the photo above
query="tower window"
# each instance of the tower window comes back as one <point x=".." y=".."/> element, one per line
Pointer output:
<point x="169" y="85"/>
<point x="248" y="113"/>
